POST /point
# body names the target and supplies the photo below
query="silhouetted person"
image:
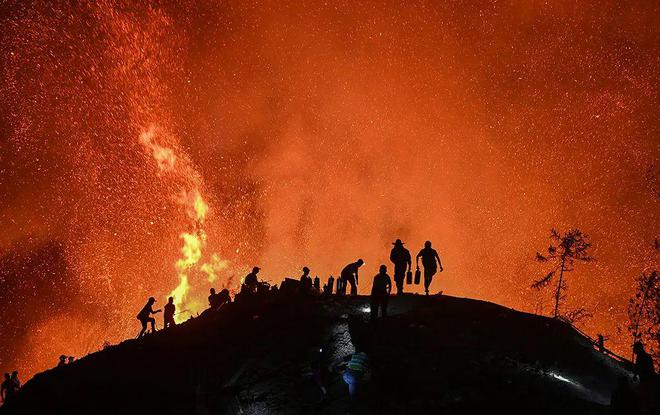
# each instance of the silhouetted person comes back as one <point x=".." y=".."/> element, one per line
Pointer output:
<point x="10" y="386"/>
<point x="380" y="293"/>
<point x="213" y="299"/>
<point x="600" y="343"/>
<point x="168" y="315"/>
<point x="223" y="297"/>
<point x="70" y="360"/>
<point x="402" y="261"/>
<point x="145" y="316"/>
<point x="356" y="372"/>
<point x="251" y="281"/>
<point x="341" y="290"/>
<point x="350" y="275"/>
<point x="643" y="363"/>
<point x="62" y="361"/>
<point x="624" y="400"/>
<point x="15" y="383"/>
<point x="431" y="261"/>
<point x="317" y="284"/>
<point x="305" y="281"/>
<point x="6" y="389"/>
<point x="331" y="284"/>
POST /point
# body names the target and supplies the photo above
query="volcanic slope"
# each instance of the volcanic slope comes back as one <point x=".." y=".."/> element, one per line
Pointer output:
<point x="435" y="354"/>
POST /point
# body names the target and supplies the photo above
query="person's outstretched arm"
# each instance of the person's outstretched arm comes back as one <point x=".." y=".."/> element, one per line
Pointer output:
<point x="356" y="277"/>
<point x="417" y="259"/>
<point x="439" y="263"/>
<point x="409" y="261"/>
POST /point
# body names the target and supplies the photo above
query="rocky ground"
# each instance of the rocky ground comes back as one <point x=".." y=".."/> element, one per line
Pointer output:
<point x="434" y="354"/>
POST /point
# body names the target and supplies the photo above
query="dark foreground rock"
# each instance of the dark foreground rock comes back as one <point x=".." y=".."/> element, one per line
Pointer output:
<point x="432" y="355"/>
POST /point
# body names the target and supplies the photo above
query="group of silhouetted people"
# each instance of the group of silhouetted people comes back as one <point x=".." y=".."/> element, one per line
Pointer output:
<point x="64" y="360"/>
<point x="349" y="276"/>
<point x="10" y="387"/>
<point x="216" y="301"/>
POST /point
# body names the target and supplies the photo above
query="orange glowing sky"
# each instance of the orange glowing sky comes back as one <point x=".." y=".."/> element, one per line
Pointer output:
<point x="317" y="133"/>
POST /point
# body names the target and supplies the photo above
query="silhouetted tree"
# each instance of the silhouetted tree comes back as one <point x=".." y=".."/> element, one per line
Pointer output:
<point x="577" y="315"/>
<point x="644" y="312"/>
<point x="562" y="253"/>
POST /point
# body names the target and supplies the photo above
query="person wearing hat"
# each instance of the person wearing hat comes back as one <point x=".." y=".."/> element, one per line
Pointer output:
<point x="402" y="261"/>
<point x="305" y="281"/>
<point x="145" y="316"/>
<point x="251" y="282"/>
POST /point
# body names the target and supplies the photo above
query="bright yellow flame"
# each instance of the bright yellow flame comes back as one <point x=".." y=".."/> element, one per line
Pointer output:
<point x="181" y="291"/>
<point x="196" y="210"/>
<point x="201" y="208"/>
<point x="191" y="250"/>
<point x="211" y="268"/>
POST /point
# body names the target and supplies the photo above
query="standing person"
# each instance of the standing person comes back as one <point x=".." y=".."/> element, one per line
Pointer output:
<point x="380" y="292"/>
<point x="145" y="316"/>
<point x="305" y="281"/>
<point x="168" y="315"/>
<point x="317" y="284"/>
<point x="402" y="261"/>
<point x="350" y="275"/>
<point x="429" y="258"/>
<point x="6" y="390"/>
<point x="62" y="361"/>
<point x="15" y="383"/>
<point x="643" y="363"/>
<point x="331" y="284"/>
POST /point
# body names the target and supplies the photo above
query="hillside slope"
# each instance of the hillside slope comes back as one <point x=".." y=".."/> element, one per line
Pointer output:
<point x="433" y="354"/>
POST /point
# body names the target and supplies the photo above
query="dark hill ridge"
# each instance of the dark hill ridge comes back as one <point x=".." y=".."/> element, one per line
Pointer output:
<point x="433" y="354"/>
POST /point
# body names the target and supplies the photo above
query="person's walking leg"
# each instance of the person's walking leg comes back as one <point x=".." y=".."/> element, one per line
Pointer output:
<point x="428" y="278"/>
<point x="144" y="328"/>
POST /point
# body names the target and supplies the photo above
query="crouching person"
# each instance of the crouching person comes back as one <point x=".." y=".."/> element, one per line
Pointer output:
<point x="357" y="373"/>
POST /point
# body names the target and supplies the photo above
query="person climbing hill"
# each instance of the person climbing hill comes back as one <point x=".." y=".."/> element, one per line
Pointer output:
<point x="144" y="316"/>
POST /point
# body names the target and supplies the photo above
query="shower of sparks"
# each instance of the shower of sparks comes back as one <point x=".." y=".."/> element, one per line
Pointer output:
<point x="164" y="147"/>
